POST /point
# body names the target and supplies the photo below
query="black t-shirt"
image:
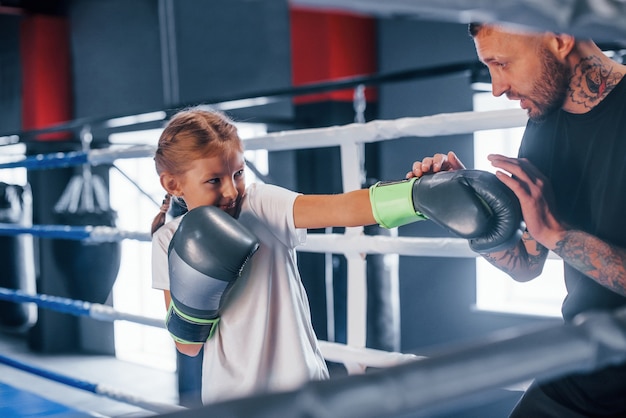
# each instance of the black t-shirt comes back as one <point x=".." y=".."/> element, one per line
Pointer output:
<point x="584" y="157"/>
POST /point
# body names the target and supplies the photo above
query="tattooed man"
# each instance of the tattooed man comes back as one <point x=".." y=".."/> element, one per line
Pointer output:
<point x="570" y="178"/>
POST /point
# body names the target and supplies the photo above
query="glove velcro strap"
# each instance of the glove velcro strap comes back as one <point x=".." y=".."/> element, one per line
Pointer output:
<point x="189" y="330"/>
<point x="392" y="203"/>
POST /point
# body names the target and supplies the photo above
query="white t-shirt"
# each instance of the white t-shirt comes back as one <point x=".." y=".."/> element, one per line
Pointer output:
<point x="265" y="340"/>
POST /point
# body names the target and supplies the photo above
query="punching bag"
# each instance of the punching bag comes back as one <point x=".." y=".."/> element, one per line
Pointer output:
<point x="89" y="268"/>
<point x="383" y="297"/>
<point x="17" y="257"/>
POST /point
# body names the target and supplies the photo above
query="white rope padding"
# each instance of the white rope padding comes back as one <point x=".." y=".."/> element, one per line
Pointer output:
<point x="377" y="130"/>
<point x="381" y="130"/>
<point x="355" y="359"/>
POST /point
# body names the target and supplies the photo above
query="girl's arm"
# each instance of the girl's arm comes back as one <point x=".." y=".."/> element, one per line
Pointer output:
<point x="345" y="209"/>
<point x="191" y="350"/>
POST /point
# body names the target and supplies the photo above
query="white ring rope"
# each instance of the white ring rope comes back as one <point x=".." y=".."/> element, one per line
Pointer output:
<point x="315" y="243"/>
<point x="382" y="130"/>
<point x="355" y="359"/>
<point x="377" y="130"/>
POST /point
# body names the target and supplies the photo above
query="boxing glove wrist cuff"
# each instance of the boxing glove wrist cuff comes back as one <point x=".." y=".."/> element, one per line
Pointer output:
<point x="186" y="329"/>
<point x="392" y="203"/>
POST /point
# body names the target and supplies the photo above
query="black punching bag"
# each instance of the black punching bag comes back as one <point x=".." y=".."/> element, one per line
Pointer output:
<point x="89" y="268"/>
<point x="17" y="257"/>
<point x="383" y="299"/>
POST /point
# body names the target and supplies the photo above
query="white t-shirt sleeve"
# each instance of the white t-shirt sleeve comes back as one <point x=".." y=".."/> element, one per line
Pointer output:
<point x="160" y="243"/>
<point x="274" y="205"/>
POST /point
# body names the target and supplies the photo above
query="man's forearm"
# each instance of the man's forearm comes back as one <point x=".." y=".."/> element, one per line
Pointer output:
<point x="523" y="262"/>
<point x="604" y="263"/>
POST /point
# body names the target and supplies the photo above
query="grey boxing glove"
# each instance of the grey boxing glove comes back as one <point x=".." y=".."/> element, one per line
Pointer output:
<point x="206" y="256"/>
<point x="472" y="204"/>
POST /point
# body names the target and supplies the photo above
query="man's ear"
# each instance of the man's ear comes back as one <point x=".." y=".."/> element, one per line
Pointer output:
<point x="562" y="44"/>
<point x="170" y="184"/>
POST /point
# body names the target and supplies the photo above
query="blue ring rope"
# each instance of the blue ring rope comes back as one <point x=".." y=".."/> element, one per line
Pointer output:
<point x="95" y="311"/>
<point x="48" y="231"/>
<point x="56" y="303"/>
<point x="95" y="388"/>
<point x="76" y="307"/>
<point x="74" y="158"/>
<point x="89" y="233"/>
<point x="70" y="381"/>
<point x="54" y="160"/>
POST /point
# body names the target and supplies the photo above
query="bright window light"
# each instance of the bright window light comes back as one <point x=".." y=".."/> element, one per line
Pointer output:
<point x="258" y="158"/>
<point x="495" y="290"/>
<point x="133" y="292"/>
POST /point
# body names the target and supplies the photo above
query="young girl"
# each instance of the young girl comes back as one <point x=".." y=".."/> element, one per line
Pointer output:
<point x="265" y="340"/>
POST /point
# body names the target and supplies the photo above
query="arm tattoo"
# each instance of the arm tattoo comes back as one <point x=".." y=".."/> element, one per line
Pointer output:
<point x="598" y="260"/>
<point x="507" y="261"/>
<point x="517" y="261"/>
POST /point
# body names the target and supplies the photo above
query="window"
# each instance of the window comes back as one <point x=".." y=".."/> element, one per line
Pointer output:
<point x="495" y="290"/>
<point x="132" y="292"/>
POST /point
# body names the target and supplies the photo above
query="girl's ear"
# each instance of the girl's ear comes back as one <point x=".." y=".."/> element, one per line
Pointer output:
<point x="170" y="184"/>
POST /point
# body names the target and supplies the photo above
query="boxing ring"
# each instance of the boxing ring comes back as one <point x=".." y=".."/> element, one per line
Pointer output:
<point x="405" y="382"/>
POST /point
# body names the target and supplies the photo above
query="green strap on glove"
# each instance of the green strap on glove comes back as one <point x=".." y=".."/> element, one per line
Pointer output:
<point x="392" y="203"/>
<point x="190" y="330"/>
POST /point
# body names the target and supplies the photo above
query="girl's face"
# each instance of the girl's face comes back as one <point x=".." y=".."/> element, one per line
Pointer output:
<point x="212" y="181"/>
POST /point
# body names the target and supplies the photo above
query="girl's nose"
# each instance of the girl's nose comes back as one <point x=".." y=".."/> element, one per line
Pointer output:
<point x="230" y="189"/>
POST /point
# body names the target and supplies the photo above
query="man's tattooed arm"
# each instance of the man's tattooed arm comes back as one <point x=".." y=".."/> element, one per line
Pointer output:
<point x="523" y="262"/>
<point x="604" y="263"/>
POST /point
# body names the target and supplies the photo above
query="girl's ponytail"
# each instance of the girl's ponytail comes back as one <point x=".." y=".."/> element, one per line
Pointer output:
<point x="159" y="219"/>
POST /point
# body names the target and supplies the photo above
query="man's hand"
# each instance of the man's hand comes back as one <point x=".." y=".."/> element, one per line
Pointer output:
<point x="535" y="195"/>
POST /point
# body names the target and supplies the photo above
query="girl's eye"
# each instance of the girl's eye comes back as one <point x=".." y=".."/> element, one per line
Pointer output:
<point x="239" y="173"/>
<point x="213" y="181"/>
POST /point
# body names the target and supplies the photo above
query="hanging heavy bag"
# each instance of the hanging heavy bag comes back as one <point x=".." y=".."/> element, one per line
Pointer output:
<point x="17" y="257"/>
<point x="89" y="268"/>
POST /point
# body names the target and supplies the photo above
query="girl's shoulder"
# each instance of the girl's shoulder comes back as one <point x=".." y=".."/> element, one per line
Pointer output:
<point x="264" y="191"/>
<point x="268" y="210"/>
<point x="165" y="232"/>
<point x="269" y="202"/>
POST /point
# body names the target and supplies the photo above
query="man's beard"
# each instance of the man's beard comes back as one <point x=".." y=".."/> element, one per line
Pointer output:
<point x="550" y="91"/>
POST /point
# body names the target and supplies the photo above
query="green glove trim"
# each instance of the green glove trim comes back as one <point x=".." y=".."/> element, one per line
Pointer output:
<point x="392" y="203"/>
<point x="186" y="329"/>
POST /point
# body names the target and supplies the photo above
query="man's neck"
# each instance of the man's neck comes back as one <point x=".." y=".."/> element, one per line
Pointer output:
<point x="594" y="76"/>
